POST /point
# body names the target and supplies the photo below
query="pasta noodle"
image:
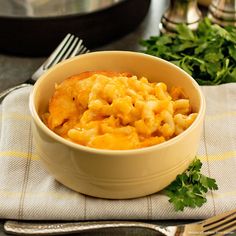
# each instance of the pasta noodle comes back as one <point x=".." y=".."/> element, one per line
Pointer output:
<point x="109" y="110"/>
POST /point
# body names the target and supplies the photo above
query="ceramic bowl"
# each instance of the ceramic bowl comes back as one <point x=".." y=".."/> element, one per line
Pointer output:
<point x="116" y="174"/>
<point x="205" y="3"/>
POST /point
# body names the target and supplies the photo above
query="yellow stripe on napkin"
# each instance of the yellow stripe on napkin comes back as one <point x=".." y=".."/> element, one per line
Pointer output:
<point x="220" y="115"/>
<point x="17" y="116"/>
<point x="18" y="155"/>
<point x="55" y="195"/>
<point x="218" y="156"/>
<point x="225" y="194"/>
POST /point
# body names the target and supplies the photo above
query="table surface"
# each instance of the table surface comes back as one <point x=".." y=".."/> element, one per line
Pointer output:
<point x="15" y="69"/>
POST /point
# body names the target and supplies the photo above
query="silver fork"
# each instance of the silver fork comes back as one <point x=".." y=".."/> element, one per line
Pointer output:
<point x="221" y="224"/>
<point x="69" y="47"/>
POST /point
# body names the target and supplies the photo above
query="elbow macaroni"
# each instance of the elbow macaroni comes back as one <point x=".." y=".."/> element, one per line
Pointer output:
<point x="109" y="110"/>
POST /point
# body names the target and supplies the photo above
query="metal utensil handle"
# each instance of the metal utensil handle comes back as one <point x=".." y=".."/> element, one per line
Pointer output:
<point x="7" y="91"/>
<point x="22" y="228"/>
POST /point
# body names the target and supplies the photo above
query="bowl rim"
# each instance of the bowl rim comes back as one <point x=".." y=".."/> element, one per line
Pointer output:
<point x="79" y="147"/>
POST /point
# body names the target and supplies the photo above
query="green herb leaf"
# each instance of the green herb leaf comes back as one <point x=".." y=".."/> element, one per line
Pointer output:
<point x="184" y="32"/>
<point x="232" y="51"/>
<point x="201" y="53"/>
<point x="190" y="188"/>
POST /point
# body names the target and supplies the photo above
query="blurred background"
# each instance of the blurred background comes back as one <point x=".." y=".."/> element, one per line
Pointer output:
<point x="31" y="29"/>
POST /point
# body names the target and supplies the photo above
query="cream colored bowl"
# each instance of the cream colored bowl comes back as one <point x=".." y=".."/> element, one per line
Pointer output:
<point x="116" y="174"/>
<point x="205" y="3"/>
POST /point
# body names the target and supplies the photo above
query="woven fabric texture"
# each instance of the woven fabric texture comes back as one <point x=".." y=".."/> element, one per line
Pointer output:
<point x="28" y="192"/>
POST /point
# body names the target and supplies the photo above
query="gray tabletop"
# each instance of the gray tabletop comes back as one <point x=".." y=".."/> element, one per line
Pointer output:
<point x="15" y="69"/>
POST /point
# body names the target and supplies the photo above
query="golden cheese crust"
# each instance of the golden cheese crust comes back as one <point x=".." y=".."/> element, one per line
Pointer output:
<point x="113" y="110"/>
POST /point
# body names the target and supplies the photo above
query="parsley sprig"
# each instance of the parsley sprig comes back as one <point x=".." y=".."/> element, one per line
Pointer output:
<point x="207" y="54"/>
<point x="190" y="188"/>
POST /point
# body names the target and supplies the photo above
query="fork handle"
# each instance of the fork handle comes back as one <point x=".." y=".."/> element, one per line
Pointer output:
<point x="24" y="228"/>
<point x="4" y="93"/>
<point x="31" y="81"/>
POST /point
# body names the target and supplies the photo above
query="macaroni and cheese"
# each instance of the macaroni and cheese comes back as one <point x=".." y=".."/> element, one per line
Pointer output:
<point x="109" y="110"/>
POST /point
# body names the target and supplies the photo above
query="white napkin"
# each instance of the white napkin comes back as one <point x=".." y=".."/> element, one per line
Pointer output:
<point x="28" y="192"/>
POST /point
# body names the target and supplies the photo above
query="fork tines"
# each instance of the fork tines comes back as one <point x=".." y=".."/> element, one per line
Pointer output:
<point x="223" y="223"/>
<point x="69" y="47"/>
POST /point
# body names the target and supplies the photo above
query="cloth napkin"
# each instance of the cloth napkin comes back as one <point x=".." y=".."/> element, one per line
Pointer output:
<point x="28" y="192"/>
